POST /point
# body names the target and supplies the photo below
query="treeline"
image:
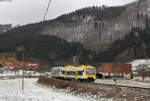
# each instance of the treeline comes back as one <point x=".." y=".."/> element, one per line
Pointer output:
<point x="99" y="13"/>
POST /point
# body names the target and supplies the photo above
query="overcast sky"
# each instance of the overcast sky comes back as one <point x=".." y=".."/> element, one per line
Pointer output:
<point x="21" y="12"/>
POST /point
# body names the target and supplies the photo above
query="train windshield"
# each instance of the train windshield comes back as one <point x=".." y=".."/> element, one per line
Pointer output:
<point x="90" y="71"/>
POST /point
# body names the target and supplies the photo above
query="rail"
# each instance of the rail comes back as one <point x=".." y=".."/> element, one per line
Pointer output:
<point x="121" y="86"/>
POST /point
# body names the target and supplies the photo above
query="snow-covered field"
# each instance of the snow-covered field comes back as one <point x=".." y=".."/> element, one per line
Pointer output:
<point x="4" y="74"/>
<point x="10" y="90"/>
<point x="7" y="73"/>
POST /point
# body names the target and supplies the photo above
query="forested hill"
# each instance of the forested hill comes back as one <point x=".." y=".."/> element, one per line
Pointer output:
<point x="50" y="49"/>
<point x="94" y="35"/>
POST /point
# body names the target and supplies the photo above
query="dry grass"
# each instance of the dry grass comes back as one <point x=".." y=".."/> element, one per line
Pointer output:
<point x="77" y="87"/>
<point x="92" y="89"/>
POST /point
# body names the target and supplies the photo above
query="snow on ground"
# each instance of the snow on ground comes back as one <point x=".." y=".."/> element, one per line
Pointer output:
<point x="10" y="90"/>
<point x="146" y="79"/>
<point x="8" y="73"/>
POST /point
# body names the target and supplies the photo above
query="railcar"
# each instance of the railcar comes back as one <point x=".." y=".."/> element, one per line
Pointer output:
<point x="82" y="72"/>
<point x="112" y="70"/>
<point x="56" y="72"/>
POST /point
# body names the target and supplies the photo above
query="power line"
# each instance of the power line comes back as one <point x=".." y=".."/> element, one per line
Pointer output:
<point x="37" y="36"/>
<point x="47" y="10"/>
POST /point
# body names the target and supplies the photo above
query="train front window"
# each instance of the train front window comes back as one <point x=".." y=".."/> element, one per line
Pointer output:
<point x="90" y="71"/>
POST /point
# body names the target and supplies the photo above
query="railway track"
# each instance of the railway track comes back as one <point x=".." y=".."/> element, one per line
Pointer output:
<point x="103" y="84"/>
<point x="109" y="85"/>
<point x="112" y="85"/>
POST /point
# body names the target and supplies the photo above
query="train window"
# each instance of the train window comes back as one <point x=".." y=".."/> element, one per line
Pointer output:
<point x="80" y="72"/>
<point x="70" y="72"/>
<point x="90" y="71"/>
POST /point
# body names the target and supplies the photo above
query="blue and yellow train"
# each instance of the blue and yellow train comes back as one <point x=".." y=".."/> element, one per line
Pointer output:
<point x="81" y="72"/>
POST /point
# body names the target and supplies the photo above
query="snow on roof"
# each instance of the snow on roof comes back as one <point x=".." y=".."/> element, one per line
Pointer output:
<point x="138" y="62"/>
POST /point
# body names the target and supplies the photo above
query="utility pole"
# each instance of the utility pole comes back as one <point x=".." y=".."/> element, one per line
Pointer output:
<point x="143" y="72"/>
<point x="23" y="71"/>
<point x="116" y="66"/>
<point x="21" y="50"/>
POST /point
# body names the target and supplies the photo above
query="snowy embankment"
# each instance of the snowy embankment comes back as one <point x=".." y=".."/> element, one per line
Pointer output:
<point x="10" y="90"/>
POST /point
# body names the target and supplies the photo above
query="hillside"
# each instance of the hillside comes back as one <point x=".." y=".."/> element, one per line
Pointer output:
<point x="99" y="25"/>
<point x="84" y="25"/>
<point x="134" y="45"/>
<point x="93" y="35"/>
<point x="51" y="49"/>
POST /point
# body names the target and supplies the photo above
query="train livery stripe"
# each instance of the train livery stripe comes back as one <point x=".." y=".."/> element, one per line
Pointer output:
<point x="76" y="75"/>
<point x="65" y="74"/>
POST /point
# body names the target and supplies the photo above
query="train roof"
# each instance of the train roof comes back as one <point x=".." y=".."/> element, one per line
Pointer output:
<point x="80" y="66"/>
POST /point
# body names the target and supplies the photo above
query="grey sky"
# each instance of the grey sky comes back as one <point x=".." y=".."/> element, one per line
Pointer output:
<point x="20" y="12"/>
